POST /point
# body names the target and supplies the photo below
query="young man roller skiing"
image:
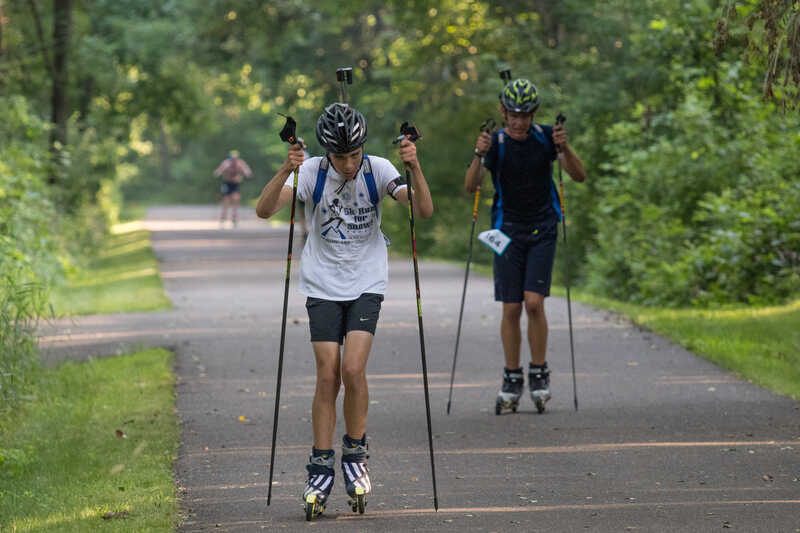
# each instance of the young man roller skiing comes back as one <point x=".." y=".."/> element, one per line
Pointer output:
<point x="343" y="274"/>
<point x="525" y="208"/>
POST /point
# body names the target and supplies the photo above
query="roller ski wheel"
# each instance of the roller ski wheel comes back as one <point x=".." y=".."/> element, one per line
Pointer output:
<point x="359" y="501"/>
<point x="539" y="386"/>
<point x="313" y="507"/>
<point x="540" y="404"/>
<point x="510" y="391"/>
<point x="356" y="473"/>
<point x="501" y="405"/>
<point x="319" y="484"/>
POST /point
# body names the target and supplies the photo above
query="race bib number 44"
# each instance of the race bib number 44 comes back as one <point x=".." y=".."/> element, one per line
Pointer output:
<point x="495" y="239"/>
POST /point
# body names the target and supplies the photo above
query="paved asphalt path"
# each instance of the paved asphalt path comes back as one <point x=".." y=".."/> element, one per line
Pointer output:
<point x="663" y="440"/>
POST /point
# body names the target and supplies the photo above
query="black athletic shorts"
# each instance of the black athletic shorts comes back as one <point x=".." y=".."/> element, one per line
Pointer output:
<point x="229" y="187"/>
<point x="330" y="320"/>
<point x="527" y="262"/>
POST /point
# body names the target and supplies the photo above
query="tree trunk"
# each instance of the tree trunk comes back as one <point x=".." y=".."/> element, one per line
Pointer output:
<point x="62" y="22"/>
<point x="553" y="29"/>
<point x="37" y="21"/>
<point x="163" y="144"/>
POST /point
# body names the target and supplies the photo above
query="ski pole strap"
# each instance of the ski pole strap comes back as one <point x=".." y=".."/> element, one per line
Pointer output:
<point x="557" y="199"/>
<point x="497" y="207"/>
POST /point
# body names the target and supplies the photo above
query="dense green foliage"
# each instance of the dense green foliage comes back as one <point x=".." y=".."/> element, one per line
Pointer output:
<point x="700" y="213"/>
<point x="27" y="259"/>
<point x="769" y="32"/>
<point x="669" y="131"/>
<point x="691" y="196"/>
<point x="45" y="231"/>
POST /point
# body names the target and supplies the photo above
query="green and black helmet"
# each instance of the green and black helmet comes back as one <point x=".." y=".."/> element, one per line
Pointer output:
<point x="520" y="95"/>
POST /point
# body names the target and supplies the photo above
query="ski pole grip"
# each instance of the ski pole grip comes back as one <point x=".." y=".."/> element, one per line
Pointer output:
<point x="288" y="133"/>
<point x="345" y="75"/>
<point x="475" y="206"/>
<point x="408" y="131"/>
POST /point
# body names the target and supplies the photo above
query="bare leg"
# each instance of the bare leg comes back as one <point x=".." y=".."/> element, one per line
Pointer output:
<point x="224" y="213"/>
<point x="235" y="211"/>
<point x="354" y="376"/>
<point x="537" y="327"/>
<point x="323" y="410"/>
<point x="511" y="334"/>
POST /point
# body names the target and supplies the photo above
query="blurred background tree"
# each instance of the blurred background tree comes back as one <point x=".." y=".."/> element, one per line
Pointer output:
<point x="692" y="193"/>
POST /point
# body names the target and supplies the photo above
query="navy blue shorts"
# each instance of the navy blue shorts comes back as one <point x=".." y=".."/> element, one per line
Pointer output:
<point x="527" y="263"/>
<point x="228" y="187"/>
<point x="330" y="321"/>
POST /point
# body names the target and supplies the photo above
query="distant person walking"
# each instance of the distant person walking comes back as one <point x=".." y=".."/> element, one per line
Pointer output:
<point x="232" y="170"/>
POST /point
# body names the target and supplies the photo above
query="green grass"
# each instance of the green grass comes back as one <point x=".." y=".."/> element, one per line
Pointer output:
<point x="124" y="278"/>
<point x="761" y="344"/>
<point x="63" y="465"/>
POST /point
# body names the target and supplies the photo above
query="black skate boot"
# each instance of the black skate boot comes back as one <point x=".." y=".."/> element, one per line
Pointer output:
<point x="356" y="473"/>
<point x="320" y="482"/>
<point x="539" y="385"/>
<point x="510" y="392"/>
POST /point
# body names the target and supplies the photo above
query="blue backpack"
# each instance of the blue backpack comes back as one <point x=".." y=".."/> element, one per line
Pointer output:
<point x="369" y="179"/>
<point x="497" y="211"/>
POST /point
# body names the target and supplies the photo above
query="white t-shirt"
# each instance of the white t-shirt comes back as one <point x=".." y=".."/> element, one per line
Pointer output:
<point x="345" y="253"/>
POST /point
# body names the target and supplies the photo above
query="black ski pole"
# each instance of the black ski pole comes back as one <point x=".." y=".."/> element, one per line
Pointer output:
<point x="560" y="120"/>
<point x="487" y="126"/>
<point x="412" y="134"/>
<point x="505" y="75"/>
<point x="287" y="134"/>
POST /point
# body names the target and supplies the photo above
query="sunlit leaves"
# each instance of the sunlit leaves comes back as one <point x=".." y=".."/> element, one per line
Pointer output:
<point x="658" y="24"/>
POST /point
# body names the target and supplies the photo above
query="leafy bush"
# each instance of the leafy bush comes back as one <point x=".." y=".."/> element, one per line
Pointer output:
<point x="20" y="306"/>
<point x="28" y="248"/>
<point x="696" y="211"/>
<point x="54" y="213"/>
<point x="751" y="251"/>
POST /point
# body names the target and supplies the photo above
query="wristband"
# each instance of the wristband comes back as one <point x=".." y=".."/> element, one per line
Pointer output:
<point x="478" y="153"/>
